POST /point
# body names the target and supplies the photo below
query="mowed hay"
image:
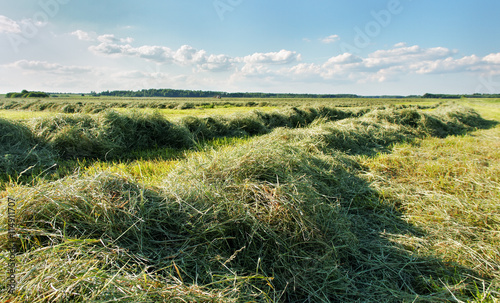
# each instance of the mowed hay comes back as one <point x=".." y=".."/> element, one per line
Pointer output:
<point x="283" y="217"/>
<point x="378" y="129"/>
<point x="109" y="134"/>
<point x="20" y="150"/>
<point x="258" y="122"/>
<point x="254" y="219"/>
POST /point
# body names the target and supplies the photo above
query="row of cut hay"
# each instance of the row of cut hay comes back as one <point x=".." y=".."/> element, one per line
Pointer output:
<point x="38" y="142"/>
<point x="257" y="122"/>
<point x="111" y="134"/>
<point x="251" y="215"/>
<point x="108" y="134"/>
<point x="20" y="150"/>
<point x="96" y="105"/>
<point x="380" y="128"/>
<point x="282" y="218"/>
<point x="446" y="120"/>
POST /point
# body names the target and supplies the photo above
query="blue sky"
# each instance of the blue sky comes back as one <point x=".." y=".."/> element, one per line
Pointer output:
<point x="365" y="47"/>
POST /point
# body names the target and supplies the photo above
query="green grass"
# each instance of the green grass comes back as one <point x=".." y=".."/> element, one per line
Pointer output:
<point x="77" y="104"/>
<point x="391" y="204"/>
<point x="204" y="112"/>
<point x="488" y="108"/>
<point x="24" y="114"/>
<point x="171" y="114"/>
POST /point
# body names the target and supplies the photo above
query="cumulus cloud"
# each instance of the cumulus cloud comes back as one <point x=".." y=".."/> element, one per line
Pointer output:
<point x="345" y="58"/>
<point x="447" y="65"/>
<point x="401" y="50"/>
<point x="492" y="58"/>
<point x="330" y="39"/>
<point x="281" y="57"/>
<point x="402" y="54"/>
<point x="153" y="53"/>
<point x="8" y="25"/>
<point x="304" y="70"/>
<point x="184" y="56"/>
<point x="81" y="35"/>
<point x="390" y="64"/>
<point x="217" y="63"/>
<point x="109" y="38"/>
<point x="110" y="49"/>
<point x="379" y="66"/>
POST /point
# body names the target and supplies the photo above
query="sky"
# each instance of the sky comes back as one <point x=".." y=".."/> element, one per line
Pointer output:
<point x="364" y="47"/>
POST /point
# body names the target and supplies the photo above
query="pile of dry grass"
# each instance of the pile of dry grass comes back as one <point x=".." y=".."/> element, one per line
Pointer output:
<point x="20" y="151"/>
<point x="109" y="134"/>
<point x="283" y="217"/>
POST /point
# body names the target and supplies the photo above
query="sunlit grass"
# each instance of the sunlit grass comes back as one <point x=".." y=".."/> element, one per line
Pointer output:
<point x="488" y="108"/>
<point x="450" y="189"/>
<point x="24" y="114"/>
<point x="367" y="208"/>
<point x="175" y="114"/>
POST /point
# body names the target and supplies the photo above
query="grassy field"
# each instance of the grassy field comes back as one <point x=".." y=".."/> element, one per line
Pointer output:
<point x="331" y="201"/>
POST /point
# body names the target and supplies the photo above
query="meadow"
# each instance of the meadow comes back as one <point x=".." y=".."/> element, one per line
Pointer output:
<point x="251" y="200"/>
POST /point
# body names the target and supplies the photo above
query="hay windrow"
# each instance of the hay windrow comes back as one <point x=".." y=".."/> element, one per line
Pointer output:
<point x="20" y="150"/>
<point x="281" y="217"/>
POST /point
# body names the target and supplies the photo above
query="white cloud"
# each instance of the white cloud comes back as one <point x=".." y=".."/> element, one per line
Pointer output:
<point x="330" y="39"/>
<point x="8" y="25"/>
<point x="394" y="63"/>
<point x="81" y="35"/>
<point x="110" y="49"/>
<point x="281" y="57"/>
<point x="402" y="54"/>
<point x="401" y="50"/>
<point x="492" y="58"/>
<point x="448" y="65"/>
<point x="345" y="58"/>
<point x="283" y="68"/>
<point x="217" y="63"/>
<point x="303" y="70"/>
<point x="127" y="40"/>
<point x="186" y="55"/>
<point x="154" y="53"/>
<point x="109" y="38"/>
<point x="43" y="66"/>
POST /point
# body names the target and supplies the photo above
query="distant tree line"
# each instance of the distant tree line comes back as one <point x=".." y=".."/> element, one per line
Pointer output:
<point x="26" y="94"/>
<point x="447" y="96"/>
<point x="179" y="93"/>
<point x="175" y="93"/>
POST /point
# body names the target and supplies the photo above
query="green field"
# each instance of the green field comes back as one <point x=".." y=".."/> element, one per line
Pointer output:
<point x="247" y="200"/>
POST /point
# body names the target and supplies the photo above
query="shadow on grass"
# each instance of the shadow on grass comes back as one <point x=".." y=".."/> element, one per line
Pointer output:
<point x="272" y="220"/>
<point x="275" y="218"/>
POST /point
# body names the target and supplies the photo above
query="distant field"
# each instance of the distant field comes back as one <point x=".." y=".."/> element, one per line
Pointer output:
<point x="168" y="113"/>
<point x="177" y="107"/>
<point x="93" y="105"/>
<point x="204" y="112"/>
<point x="24" y="114"/>
<point x="252" y="200"/>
